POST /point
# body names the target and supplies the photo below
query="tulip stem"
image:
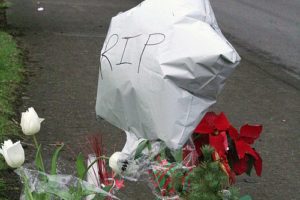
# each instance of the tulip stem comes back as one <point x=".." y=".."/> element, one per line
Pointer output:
<point x="35" y="142"/>
<point x="28" y="193"/>
<point x="40" y="154"/>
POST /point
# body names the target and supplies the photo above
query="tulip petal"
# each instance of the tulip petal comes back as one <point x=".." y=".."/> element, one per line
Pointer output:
<point x="7" y="144"/>
<point x="30" y="122"/>
<point x="15" y="155"/>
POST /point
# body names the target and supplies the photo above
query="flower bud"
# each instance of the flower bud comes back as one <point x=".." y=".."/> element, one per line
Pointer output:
<point x="13" y="153"/>
<point x="113" y="162"/>
<point x="30" y="122"/>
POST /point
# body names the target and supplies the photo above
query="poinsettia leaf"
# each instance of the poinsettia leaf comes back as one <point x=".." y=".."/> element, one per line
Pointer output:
<point x="258" y="164"/>
<point x="243" y="148"/>
<point x="248" y="140"/>
<point x="221" y="122"/>
<point x="54" y="160"/>
<point x="233" y="133"/>
<point x="218" y="141"/>
<point x="240" y="166"/>
<point x="250" y="132"/>
<point x="200" y="141"/>
<point x="206" y="125"/>
<point x="80" y="166"/>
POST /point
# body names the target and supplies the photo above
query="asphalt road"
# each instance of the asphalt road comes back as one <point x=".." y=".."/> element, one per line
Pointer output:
<point x="272" y="27"/>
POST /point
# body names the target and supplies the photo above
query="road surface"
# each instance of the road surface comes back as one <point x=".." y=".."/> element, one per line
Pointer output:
<point x="272" y="27"/>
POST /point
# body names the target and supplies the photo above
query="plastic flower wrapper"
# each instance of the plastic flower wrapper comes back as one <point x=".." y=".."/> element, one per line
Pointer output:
<point x="169" y="170"/>
<point x="98" y="172"/>
<point x="135" y="158"/>
<point x="65" y="187"/>
<point x="162" y="65"/>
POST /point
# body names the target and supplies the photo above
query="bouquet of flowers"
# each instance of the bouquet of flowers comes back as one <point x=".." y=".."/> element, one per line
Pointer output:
<point x="205" y="168"/>
<point x="40" y="185"/>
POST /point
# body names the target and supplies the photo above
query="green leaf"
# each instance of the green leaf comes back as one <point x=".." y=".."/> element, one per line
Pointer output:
<point x="247" y="197"/>
<point x="169" y="156"/>
<point x="177" y="155"/>
<point x="54" y="160"/>
<point x="250" y="165"/>
<point x="28" y="194"/>
<point x="80" y="166"/>
<point x="142" y="145"/>
<point x="38" y="159"/>
<point x="39" y="195"/>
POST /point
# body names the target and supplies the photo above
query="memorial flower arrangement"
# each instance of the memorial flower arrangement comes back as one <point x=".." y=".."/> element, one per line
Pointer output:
<point x="205" y="168"/>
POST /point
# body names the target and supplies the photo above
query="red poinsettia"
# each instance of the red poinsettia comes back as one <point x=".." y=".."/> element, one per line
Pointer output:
<point x="245" y="153"/>
<point x="217" y="131"/>
<point x="214" y="127"/>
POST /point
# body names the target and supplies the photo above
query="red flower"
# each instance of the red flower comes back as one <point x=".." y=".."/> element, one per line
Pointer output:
<point x="241" y="166"/>
<point x="225" y="167"/>
<point x="215" y="126"/>
<point x="248" y="134"/>
<point x="119" y="183"/>
<point x="214" y="130"/>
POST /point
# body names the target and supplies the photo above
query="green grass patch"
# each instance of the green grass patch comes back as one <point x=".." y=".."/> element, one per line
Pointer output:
<point x="5" y="5"/>
<point x="11" y="70"/>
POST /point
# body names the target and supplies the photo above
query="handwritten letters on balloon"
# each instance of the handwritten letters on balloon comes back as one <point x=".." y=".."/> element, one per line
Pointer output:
<point x="114" y="41"/>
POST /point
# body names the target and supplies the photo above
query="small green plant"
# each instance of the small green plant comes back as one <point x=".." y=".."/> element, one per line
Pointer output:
<point x="207" y="181"/>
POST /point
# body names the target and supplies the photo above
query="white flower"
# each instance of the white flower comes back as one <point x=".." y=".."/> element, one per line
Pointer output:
<point x="113" y="162"/>
<point x="30" y="122"/>
<point x="13" y="153"/>
<point x="121" y="163"/>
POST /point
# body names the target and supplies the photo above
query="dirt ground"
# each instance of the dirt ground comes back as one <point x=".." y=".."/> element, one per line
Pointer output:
<point x="64" y="43"/>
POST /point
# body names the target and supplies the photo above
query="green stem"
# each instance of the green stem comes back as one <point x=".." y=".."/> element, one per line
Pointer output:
<point x="27" y="190"/>
<point x="40" y="154"/>
<point x="96" y="160"/>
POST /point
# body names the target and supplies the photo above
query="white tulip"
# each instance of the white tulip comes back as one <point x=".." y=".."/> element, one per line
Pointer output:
<point x="13" y="153"/>
<point x="30" y="122"/>
<point x="113" y="162"/>
<point x="122" y="163"/>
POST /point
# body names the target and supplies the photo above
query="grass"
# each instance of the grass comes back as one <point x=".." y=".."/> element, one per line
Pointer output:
<point x="11" y="71"/>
